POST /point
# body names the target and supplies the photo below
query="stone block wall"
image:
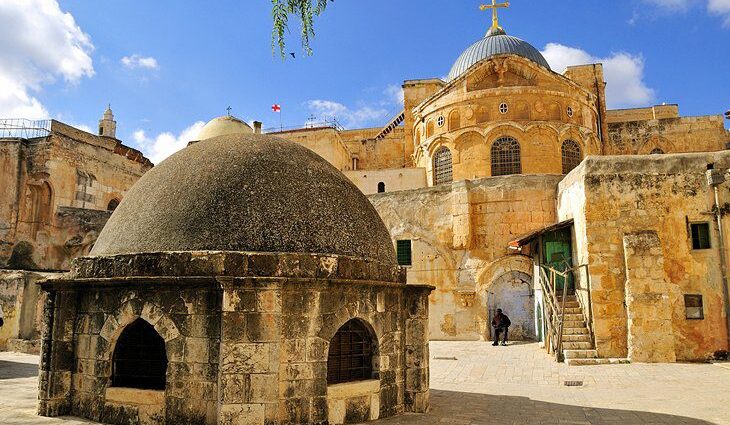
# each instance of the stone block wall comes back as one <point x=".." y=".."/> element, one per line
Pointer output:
<point x="612" y="197"/>
<point x="22" y="303"/>
<point x="460" y="235"/>
<point x="649" y="313"/>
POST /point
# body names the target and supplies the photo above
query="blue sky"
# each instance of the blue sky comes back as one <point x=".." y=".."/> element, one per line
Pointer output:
<point x="167" y="66"/>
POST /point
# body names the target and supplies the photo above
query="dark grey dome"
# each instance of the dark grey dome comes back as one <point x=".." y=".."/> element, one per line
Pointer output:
<point x="495" y="43"/>
<point x="246" y="192"/>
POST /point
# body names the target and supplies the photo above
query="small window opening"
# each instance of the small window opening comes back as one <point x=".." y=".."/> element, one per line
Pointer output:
<point x="700" y="235"/>
<point x="506" y="157"/>
<point x="442" y="166"/>
<point x="350" y="356"/>
<point x="693" y="307"/>
<point x="656" y="151"/>
<point x="381" y="187"/>
<point x="403" y="251"/>
<point x="140" y="359"/>
<point x="113" y="204"/>
<point x="503" y="108"/>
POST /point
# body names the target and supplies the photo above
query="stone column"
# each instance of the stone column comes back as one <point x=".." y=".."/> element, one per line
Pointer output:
<point x="416" y="349"/>
<point x="649" y="313"/>
<point x="461" y="215"/>
<point x="57" y="354"/>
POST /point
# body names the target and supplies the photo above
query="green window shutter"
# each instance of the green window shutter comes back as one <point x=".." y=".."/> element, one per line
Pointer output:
<point x="403" y="250"/>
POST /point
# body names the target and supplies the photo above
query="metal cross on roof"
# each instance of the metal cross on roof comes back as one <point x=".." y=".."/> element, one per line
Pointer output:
<point x="494" y="6"/>
<point x="228" y="109"/>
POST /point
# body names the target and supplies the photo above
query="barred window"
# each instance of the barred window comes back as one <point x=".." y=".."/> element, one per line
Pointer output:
<point x="350" y="356"/>
<point x="442" y="166"/>
<point x="571" y="155"/>
<point x="140" y="359"/>
<point x="656" y="151"/>
<point x="506" y="157"/>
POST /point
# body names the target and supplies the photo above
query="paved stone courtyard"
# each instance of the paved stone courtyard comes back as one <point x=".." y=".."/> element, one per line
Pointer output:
<point x="518" y="384"/>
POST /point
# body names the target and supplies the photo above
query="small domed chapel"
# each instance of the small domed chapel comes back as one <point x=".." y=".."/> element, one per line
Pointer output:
<point x="244" y="280"/>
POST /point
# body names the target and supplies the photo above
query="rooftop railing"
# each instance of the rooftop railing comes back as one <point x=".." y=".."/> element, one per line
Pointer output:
<point x="21" y="128"/>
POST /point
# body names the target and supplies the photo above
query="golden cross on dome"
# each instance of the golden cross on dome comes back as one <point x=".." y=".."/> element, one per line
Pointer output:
<point x="494" y="6"/>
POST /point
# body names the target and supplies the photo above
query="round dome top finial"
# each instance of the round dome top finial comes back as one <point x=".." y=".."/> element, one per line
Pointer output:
<point x="224" y="126"/>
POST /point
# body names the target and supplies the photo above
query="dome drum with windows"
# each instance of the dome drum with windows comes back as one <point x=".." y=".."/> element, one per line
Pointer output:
<point x="228" y="263"/>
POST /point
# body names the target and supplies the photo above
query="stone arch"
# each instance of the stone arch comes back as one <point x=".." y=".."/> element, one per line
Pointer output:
<point x="40" y="205"/>
<point x="512" y="293"/>
<point x="454" y="120"/>
<point x="364" y="347"/>
<point x="134" y="309"/>
<point x="139" y="357"/>
<point x="506" y="156"/>
<point x="656" y="142"/>
<point x="429" y="129"/>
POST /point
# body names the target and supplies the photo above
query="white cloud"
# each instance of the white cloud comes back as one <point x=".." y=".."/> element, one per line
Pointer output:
<point x="721" y="8"/>
<point x="136" y="61"/>
<point x="671" y="4"/>
<point x="40" y="43"/>
<point x="394" y="94"/>
<point x="624" y="73"/>
<point x="165" y="144"/>
<point x="350" y="118"/>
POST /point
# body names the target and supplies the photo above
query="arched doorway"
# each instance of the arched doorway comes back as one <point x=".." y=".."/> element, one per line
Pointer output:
<point x="512" y="292"/>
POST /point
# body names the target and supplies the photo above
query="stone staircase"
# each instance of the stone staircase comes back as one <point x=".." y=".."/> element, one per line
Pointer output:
<point x="578" y="347"/>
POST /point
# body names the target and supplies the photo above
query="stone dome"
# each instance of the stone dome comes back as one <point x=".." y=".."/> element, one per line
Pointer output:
<point x="250" y="193"/>
<point x="495" y="43"/>
<point x="224" y="126"/>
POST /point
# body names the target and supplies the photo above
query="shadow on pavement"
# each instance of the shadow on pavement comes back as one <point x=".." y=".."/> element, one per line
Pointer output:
<point x="470" y="408"/>
<point x="13" y="370"/>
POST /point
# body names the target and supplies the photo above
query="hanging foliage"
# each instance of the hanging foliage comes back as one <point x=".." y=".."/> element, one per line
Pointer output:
<point x="305" y="11"/>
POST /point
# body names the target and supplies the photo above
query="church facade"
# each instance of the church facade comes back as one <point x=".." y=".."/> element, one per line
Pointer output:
<point x="480" y="166"/>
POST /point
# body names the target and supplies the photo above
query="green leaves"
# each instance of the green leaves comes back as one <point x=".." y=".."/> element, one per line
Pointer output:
<point x="305" y="10"/>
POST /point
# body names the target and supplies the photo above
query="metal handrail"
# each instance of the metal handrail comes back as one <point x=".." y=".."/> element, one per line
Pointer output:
<point x="556" y="307"/>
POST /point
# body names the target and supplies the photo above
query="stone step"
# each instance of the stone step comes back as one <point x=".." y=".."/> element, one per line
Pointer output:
<point x="595" y="362"/>
<point x="569" y="304"/>
<point x="580" y="354"/>
<point x="574" y="310"/>
<point x="577" y="338"/>
<point x="578" y="345"/>
<point x="576" y="317"/>
<point x="574" y="324"/>
<point x="575" y="331"/>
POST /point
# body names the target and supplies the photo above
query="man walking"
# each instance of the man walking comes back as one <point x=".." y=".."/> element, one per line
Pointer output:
<point x="501" y="324"/>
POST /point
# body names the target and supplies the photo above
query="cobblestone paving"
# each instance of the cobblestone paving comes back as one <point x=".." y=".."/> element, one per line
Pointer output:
<point x="518" y="384"/>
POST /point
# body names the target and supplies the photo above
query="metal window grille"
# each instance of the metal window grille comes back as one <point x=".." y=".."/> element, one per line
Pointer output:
<point x="503" y="108"/>
<point x="571" y="155"/>
<point x="140" y="360"/>
<point x="656" y="151"/>
<point x="350" y="355"/>
<point x="506" y="158"/>
<point x="693" y="307"/>
<point x="442" y="166"/>
<point x="440" y="121"/>
<point x="700" y="235"/>
<point x="403" y="251"/>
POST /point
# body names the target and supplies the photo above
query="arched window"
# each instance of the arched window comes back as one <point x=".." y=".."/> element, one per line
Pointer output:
<point x="350" y="355"/>
<point x="429" y="129"/>
<point x="506" y="157"/>
<point x="656" y="151"/>
<point x="113" y="204"/>
<point x="571" y="155"/>
<point x="140" y="359"/>
<point x="455" y="120"/>
<point x="381" y="187"/>
<point x="442" y="166"/>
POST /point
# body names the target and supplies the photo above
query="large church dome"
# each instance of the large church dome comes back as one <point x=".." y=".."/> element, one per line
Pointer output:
<point x="246" y="192"/>
<point x="493" y="44"/>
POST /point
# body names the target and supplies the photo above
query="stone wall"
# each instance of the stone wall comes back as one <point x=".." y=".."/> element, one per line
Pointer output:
<point x="612" y="197"/>
<point x="460" y="233"/>
<point x="22" y="304"/>
<point x="248" y="344"/>
<point x="68" y="169"/>
<point x="395" y="179"/>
